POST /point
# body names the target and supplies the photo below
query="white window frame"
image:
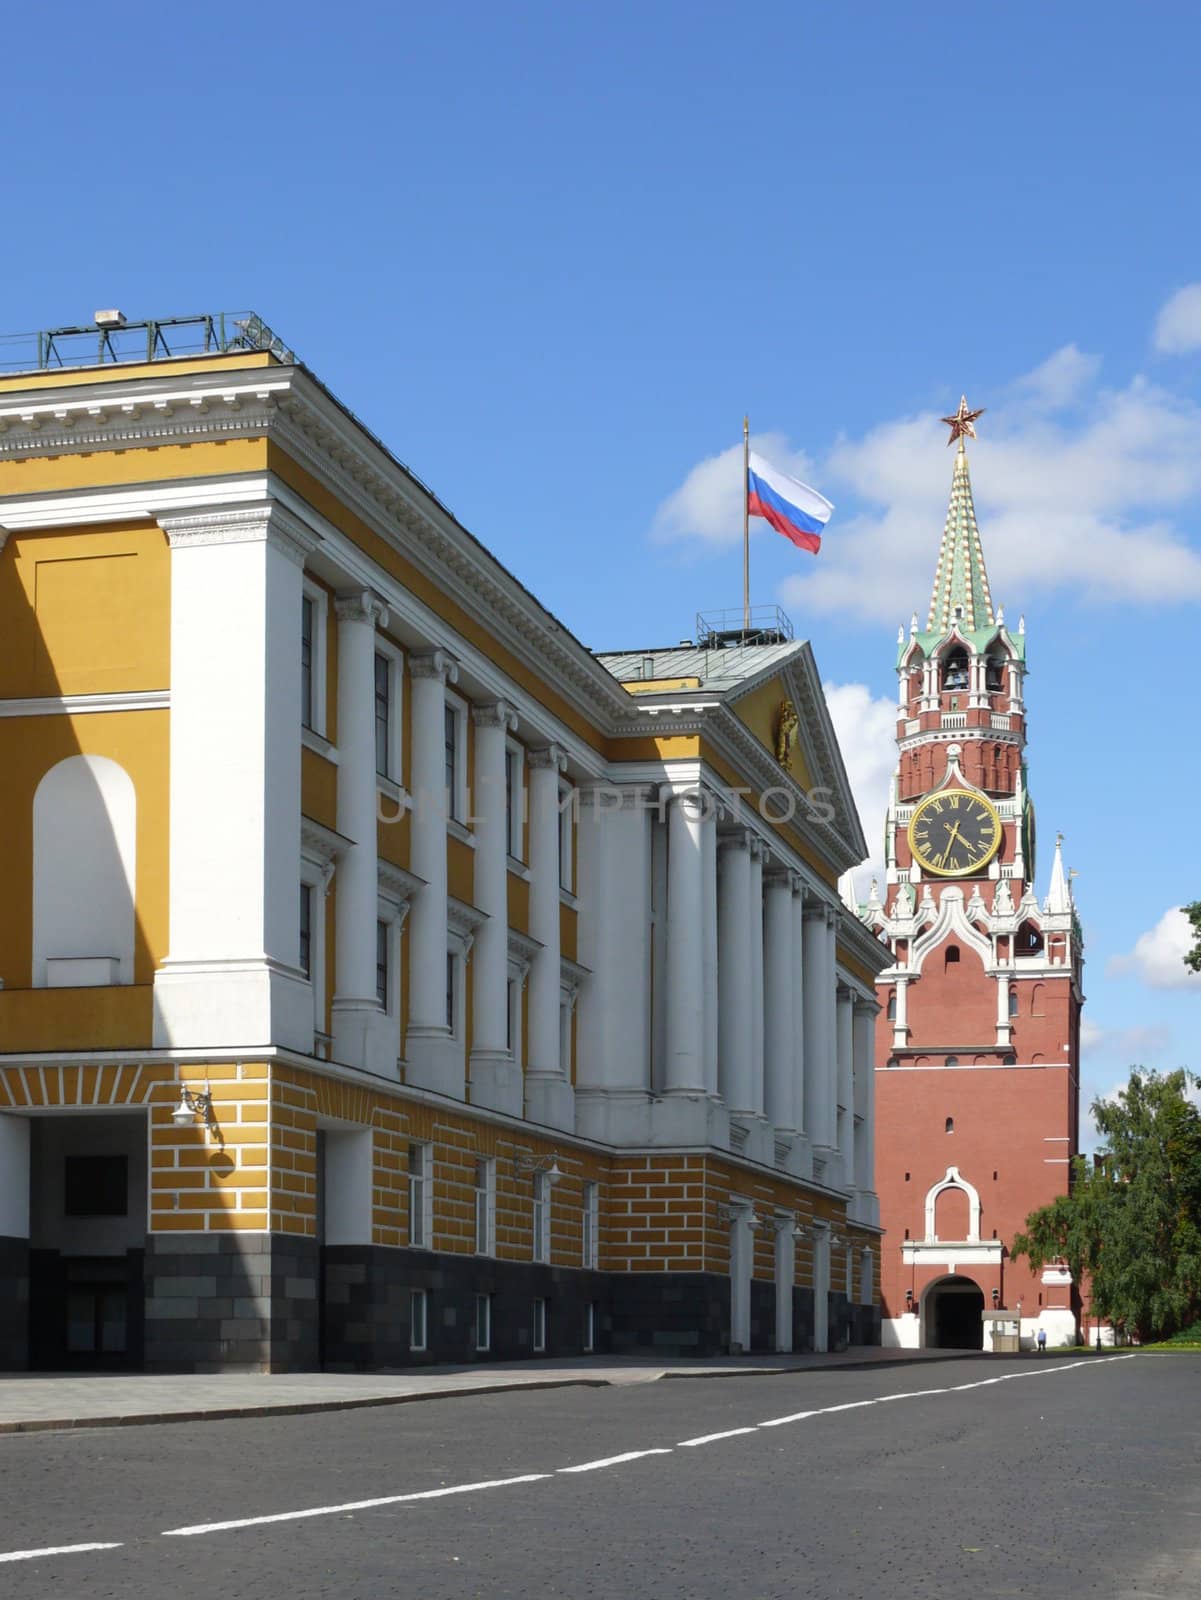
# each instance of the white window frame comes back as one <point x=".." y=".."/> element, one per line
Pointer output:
<point x="485" y="1206"/>
<point x="541" y="1217"/>
<point x="419" y="1340"/>
<point x="590" y="1225"/>
<point x="566" y="836"/>
<point x="456" y="964"/>
<point x="515" y="802"/>
<point x="540" y="1319"/>
<point x="460" y="808"/>
<point x="566" y="1033"/>
<point x="392" y="781"/>
<point x="389" y="912"/>
<point x="421" y="1195"/>
<point x="483" y="1303"/>
<point x="315" y="875"/>
<point x="314" y="592"/>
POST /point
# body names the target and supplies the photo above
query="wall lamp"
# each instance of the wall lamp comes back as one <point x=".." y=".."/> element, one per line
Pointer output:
<point x="908" y="1299"/>
<point x="197" y="1105"/>
<point x="528" y="1166"/>
<point x="996" y="1298"/>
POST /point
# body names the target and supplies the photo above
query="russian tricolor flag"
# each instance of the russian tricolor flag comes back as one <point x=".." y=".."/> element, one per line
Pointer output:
<point x="792" y="507"/>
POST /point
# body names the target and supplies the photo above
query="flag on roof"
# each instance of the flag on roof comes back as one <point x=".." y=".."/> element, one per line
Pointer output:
<point x="792" y="507"/>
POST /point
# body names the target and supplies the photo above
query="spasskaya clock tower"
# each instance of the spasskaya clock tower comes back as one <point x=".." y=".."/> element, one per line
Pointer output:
<point x="978" y="1038"/>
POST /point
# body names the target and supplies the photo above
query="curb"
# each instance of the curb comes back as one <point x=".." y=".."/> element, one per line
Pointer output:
<point x="299" y="1408"/>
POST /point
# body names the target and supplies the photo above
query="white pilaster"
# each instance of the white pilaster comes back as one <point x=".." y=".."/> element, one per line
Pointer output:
<point x="785" y="1265"/>
<point x="432" y="1059"/>
<point x="495" y="1075"/>
<point x="362" y="1033"/>
<point x="846" y="1086"/>
<point x="802" y="1156"/>
<point x="231" y="977"/>
<point x="709" y="911"/>
<point x="1004" y="1024"/>
<point x="684" y="1061"/>
<point x="900" y="1023"/>
<point x="755" y="936"/>
<point x="866" y="1012"/>
<point x="734" y="972"/>
<point x="548" y="1094"/>
<point x="820" y="1057"/>
<point x="613" y="1057"/>
<point x="779" y="992"/>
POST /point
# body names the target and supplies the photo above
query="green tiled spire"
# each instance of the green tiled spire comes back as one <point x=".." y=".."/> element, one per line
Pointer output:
<point x="960" y="578"/>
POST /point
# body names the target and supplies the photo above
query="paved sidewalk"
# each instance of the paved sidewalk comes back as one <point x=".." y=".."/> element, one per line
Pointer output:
<point x="30" y="1402"/>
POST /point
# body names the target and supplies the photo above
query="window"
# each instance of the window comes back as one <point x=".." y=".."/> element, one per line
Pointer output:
<point x="306" y="929"/>
<point x="951" y="1061"/>
<point x="566" y="1035"/>
<point x="566" y="819"/>
<point x="452" y="990"/>
<point x="541" y="1216"/>
<point x="483" y="1322"/>
<point x="421" y="1168"/>
<point x="952" y="956"/>
<point x="994" y="675"/>
<point x="418" y="1319"/>
<point x="485" y="1207"/>
<point x="539" y="1324"/>
<point x="950" y="1127"/>
<point x="1013" y="1002"/>
<point x="591" y="1221"/>
<point x="590" y="1327"/>
<point x="455" y="740"/>
<point x="515" y="800"/>
<point x="382" y="943"/>
<point x="312" y="658"/>
<point x="383" y="716"/>
<point x="308" y="632"/>
<point x="955" y="670"/>
<point x="892" y="1006"/>
<point x="96" y="1186"/>
<point x="512" y="1002"/>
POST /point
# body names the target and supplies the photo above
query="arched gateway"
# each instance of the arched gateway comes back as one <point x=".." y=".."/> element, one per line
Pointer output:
<point x="952" y="1315"/>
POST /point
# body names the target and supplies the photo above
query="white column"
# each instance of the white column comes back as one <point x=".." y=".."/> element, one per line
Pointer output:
<point x="548" y="1095"/>
<point x="779" y="992"/>
<point x="231" y="977"/>
<point x="432" y="1062"/>
<point x="865" y="1107"/>
<point x="785" y="1279"/>
<point x="709" y="908"/>
<point x="1004" y="1024"/>
<point x="734" y="972"/>
<point x="799" y="1107"/>
<point x="900" y="1023"/>
<point x="684" y="1061"/>
<point x="613" y="1033"/>
<point x="846" y="1086"/>
<point x="755" y="935"/>
<point x="818" y="985"/>
<point x="360" y="1028"/>
<point x="495" y="1075"/>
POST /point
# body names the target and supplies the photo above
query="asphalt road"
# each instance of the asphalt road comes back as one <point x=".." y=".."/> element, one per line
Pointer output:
<point x="1064" y="1479"/>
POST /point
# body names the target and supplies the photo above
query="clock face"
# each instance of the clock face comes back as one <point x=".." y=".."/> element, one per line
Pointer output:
<point x="954" y="833"/>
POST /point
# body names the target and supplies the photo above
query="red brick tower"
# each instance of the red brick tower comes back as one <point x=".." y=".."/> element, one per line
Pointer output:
<point x="978" y="1037"/>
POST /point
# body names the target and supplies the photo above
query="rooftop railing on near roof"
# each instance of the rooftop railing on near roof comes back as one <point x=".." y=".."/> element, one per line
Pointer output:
<point x="114" y="340"/>
<point x="721" y="630"/>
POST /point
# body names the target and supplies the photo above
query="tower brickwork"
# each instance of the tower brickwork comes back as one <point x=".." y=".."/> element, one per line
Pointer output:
<point x="977" y="1041"/>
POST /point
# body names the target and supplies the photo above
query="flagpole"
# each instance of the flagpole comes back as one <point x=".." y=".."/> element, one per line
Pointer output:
<point x="746" y="528"/>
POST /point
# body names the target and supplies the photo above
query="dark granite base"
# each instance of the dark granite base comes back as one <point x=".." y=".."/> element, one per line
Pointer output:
<point x="231" y="1302"/>
<point x="14" y="1304"/>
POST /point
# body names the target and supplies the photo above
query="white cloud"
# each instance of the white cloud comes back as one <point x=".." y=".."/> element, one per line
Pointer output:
<point x="1178" y="326"/>
<point x="708" y="504"/>
<point x="866" y="727"/>
<point x="1060" y="378"/>
<point x="1158" y="955"/>
<point x="1093" y="501"/>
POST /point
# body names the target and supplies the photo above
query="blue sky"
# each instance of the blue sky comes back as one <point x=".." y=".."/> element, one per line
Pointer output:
<point x="552" y="253"/>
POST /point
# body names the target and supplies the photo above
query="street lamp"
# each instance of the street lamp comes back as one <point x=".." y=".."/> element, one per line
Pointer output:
<point x="1097" y="1320"/>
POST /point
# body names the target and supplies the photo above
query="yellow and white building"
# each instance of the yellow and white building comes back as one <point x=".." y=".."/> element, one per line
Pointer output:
<point x="385" y="977"/>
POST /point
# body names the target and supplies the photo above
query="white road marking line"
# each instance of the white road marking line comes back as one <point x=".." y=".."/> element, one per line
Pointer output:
<point x="55" y="1550"/>
<point x="351" y="1505"/>
<point x="957" y="1388"/>
<point x="711" y="1438"/>
<point x="614" y="1461"/>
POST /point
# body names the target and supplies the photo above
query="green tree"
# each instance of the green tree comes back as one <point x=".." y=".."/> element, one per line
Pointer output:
<point x="1131" y="1223"/>
<point x="1192" y="959"/>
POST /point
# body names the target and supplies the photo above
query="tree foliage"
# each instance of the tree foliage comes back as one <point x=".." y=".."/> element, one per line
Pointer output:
<point x="1192" y="958"/>
<point x="1131" y="1223"/>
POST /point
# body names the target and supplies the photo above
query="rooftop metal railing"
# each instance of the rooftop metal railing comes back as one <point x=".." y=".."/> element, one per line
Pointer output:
<point x="104" y="343"/>
<point x="717" y="630"/>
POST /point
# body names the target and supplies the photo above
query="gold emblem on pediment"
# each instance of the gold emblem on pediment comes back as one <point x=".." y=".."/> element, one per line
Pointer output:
<point x="787" y="724"/>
